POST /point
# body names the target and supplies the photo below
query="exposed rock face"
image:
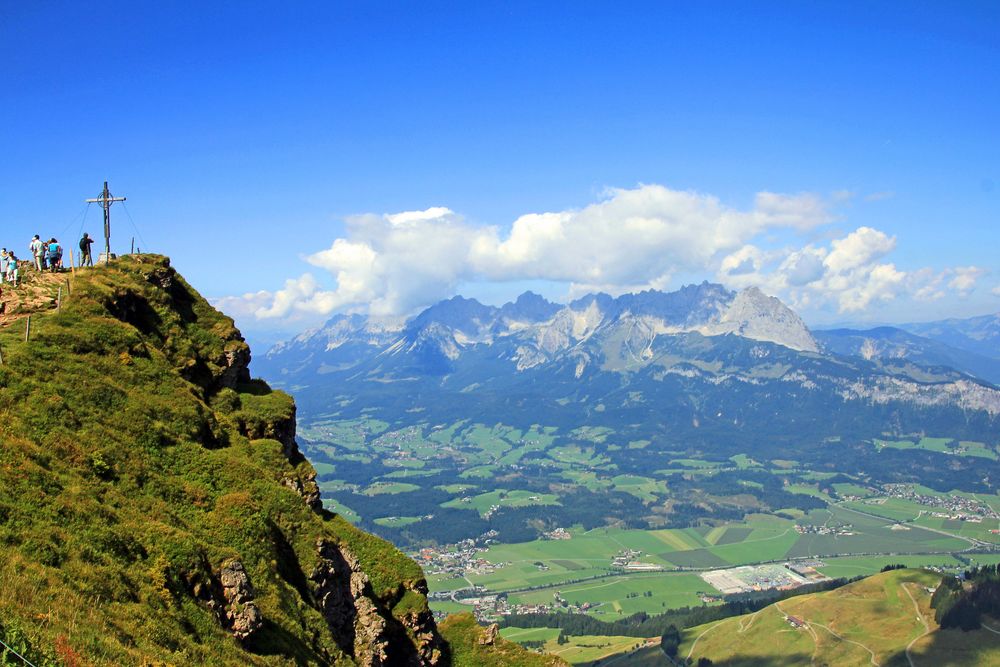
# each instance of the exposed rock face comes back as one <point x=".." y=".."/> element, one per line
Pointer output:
<point x="424" y="630"/>
<point x="239" y="613"/>
<point x="343" y="596"/>
<point x="532" y="331"/>
<point x="306" y="486"/>
<point x="235" y="364"/>
<point x="282" y="430"/>
<point x="489" y="635"/>
<point x="753" y="314"/>
<point x="361" y="629"/>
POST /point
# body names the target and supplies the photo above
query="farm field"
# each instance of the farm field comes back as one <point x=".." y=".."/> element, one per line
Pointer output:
<point x="452" y="481"/>
<point x="615" y="597"/>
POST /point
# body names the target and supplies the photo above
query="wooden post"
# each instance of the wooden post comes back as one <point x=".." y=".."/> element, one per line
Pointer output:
<point x="27" y="328"/>
<point x="72" y="262"/>
<point x="59" y="300"/>
<point x="132" y="252"/>
<point x="1" y="357"/>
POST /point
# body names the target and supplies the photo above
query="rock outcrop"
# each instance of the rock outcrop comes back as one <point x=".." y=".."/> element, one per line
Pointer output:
<point x="489" y="636"/>
<point x="342" y="594"/>
<point x="305" y="485"/>
<point x="240" y="613"/>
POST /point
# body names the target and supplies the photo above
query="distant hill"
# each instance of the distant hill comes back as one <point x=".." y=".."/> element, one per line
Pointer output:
<point x="980" y="335"/>
<point x="895" y="348"/>
<point x="883" y="620"/>
<point x="155" y="507"/>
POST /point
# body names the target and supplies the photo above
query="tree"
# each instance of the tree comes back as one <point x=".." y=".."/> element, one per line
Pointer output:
<point x="670" y="641"/>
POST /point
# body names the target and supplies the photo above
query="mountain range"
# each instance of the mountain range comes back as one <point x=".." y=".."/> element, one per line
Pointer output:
<point x="684" y="332"/>
<point x="699" y="369"/>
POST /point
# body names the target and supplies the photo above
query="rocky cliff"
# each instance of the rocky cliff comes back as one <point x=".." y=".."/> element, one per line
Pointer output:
<point x="154" y="505"/>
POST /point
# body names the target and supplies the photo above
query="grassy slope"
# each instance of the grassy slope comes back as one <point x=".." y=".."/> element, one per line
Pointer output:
<point x="463" y="635"/>
<point x="873" y="619"/>
<point x="126" y="480"/>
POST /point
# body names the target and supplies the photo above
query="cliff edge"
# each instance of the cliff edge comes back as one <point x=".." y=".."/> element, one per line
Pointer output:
<point x="155" y="508"/>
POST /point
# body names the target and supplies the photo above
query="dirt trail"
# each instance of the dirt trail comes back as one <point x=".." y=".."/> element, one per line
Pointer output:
<point x="35" y="292"/>
<point x="920" y="617"/>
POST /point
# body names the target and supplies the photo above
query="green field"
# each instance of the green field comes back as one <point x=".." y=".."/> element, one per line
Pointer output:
<point x="614" y="597"/>
<point x="395" y="521"/>
<point x="483" y="503"/>
<point x="495" y="471"/>
<point x="578" y="650"/>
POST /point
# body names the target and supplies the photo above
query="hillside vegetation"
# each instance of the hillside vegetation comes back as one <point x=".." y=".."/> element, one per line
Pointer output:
<point x="154" y="506"/>
<point x="882" y="620"/>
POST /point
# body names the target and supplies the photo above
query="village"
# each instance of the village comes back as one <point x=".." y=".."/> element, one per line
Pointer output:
<point x="951" y="506"/>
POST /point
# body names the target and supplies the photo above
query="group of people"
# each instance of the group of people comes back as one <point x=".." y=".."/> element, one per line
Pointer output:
<point x="46" y="256"/>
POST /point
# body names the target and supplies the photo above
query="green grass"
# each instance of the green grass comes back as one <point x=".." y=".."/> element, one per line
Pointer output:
<point x="397" y="521"/>
<point x="463" y="635"/>
<point x="644" y="488"/>
<point x="128" y="477"/>
<point x="587" y="650"/>
<point x="389" y="488"/>
<point x="868" y="622"/>
<point x="503" y="498"/>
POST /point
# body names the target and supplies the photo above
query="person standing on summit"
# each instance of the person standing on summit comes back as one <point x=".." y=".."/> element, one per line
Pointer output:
<point x="37" y="248"/>
<point x="85" y="257"/>
<point x="53" y="255"/>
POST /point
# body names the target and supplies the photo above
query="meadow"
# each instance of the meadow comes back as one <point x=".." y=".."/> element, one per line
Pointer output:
<point x="873" y="621"/>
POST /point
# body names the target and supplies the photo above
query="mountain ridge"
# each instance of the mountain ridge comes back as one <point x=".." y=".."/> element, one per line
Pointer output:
<point x="544" y="328"/>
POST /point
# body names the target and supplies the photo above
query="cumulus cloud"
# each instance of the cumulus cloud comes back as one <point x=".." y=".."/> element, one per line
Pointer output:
<point x="995" y="291"/>
<point x="632" y="238"/>
<point x="849" y="272"/>
<point x="964" y="279"/>
<point x="393" y="264"/>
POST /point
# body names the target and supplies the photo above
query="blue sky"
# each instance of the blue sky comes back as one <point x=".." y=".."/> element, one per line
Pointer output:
<point x="245" y="134"/>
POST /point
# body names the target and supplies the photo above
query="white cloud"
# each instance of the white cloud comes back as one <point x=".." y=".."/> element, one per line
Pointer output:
<point x="859" y="248"/>
<point x="633" y="238"/>
<point x="928" y="285"/>
<point x="965" y="277"/>
<point x="245" y="305"/>
<point x="995" y="291"/>
<point x="850" y="274"/>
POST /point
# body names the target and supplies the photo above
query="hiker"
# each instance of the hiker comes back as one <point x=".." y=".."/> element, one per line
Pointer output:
<point x="53" y="255"/>
<point x="85" y="243"/>
<point x="3" y="264"/>
<point x="12" y="273"/>
<point x="37" y="248"/>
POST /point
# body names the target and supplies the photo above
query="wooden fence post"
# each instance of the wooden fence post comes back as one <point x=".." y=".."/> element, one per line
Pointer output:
<point x="27" y="328"/>
<point x="72" y="262"/>
<point x="59" y="300"/>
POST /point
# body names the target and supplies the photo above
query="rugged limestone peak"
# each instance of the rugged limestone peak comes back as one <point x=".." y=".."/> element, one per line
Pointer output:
<point x="529" y="307"/>
<point x="689" y="306"/>
<point x="752" y="314"/>
<point x="538" y="331"/>
<point x="467" y="316"/>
